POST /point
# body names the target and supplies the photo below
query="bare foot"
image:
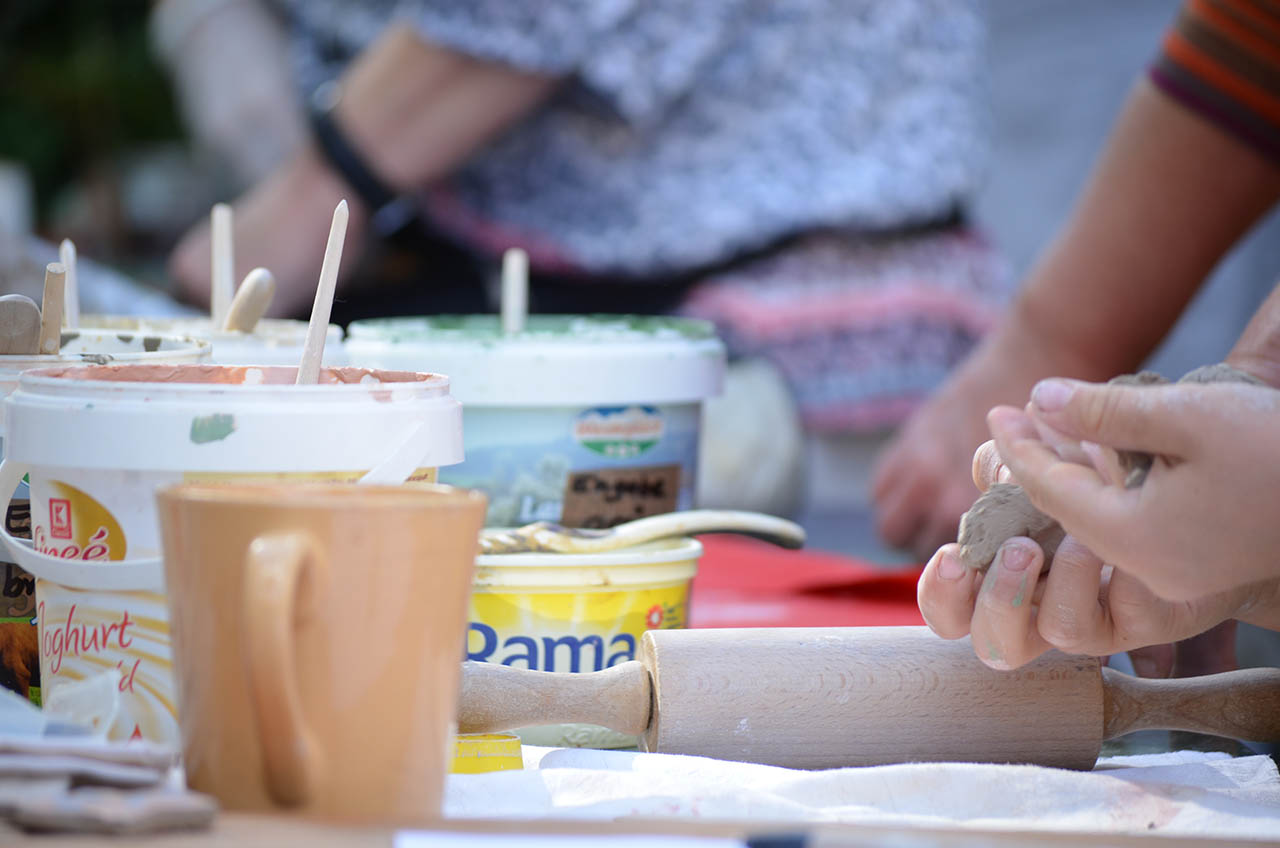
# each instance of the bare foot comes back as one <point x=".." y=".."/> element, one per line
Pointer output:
<point x="281" y="224"/>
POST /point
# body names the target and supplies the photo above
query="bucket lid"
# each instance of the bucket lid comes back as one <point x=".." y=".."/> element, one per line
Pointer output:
<point x="230" y="418"/>
<point x="556" y="360"/>
<point x="86" y="347"/>
<point x="268" y="332"/>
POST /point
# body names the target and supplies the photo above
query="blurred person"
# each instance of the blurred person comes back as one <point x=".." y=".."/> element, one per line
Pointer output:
<point x="1191" y="164"/>
<point x="797" y="173"/>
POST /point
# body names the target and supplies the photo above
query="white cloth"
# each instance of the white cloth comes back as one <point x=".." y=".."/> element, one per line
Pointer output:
<point x="1187" y="793"/>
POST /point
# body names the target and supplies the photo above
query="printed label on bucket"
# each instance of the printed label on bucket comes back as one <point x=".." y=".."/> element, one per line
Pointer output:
<point x="19" y="639"/>
<point x="620" y="432"/>
<point x="85" y="634"/>
<point x="569" y="631"/>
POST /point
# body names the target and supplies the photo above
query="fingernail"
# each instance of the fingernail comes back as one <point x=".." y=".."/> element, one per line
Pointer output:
<point x="1051" y="395"/>
<point x="1144" y="666"/>
<point x="950" y="567"/>
<point x="1014" y="558"/>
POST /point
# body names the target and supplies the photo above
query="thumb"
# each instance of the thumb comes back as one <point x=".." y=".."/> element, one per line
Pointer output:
<point x="1118" y="416"/>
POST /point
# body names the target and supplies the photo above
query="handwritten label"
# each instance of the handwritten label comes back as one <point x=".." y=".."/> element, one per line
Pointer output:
<point x="605" y="497"/>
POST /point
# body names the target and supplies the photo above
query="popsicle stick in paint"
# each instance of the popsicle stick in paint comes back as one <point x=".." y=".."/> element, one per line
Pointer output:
<point x="251" y="301"/>
<point x="19" y="325"/>
<point x="515" y="290"/>
<point x="67" y="256"/>
<point x="55" y="281"/>
<point x="313" y="351"/>
<point x="222" y="279"/>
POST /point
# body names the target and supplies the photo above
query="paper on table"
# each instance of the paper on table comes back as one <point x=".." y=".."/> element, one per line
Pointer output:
<point x="445" y="839"/>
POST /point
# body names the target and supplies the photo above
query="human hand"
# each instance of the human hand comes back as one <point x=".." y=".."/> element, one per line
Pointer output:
<point x="1203" y="521"/>
<point x="1015" y="613"/>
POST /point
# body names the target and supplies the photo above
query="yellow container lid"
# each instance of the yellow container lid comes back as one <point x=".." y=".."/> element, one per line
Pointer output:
<point x="475" y="753"/>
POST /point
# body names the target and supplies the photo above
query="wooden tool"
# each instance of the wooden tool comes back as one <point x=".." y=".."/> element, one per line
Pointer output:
<point x="55" y="280"/>
<point x="67" y="256"/>
<point x="19" y="325"/>
<point x="545" y="537"/>
<point x="861" y="696"/>
<point x="251" y="301"/>
<point x="222" y="276"/>
<point x="313" y="350"/>
<point x="515" y="290"/>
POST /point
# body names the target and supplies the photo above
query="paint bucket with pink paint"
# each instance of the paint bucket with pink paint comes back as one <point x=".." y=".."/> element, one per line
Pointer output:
<point x="96" y="442"/>
<point x="19" y="662"/>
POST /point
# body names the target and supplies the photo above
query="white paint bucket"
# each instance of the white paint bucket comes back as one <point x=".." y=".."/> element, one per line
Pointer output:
<point x="97" y="441"/>
<point x="577" y="613"/>
<point x="585" y="420"/>
<point x="19" y="664"/>
<point x="274" y="341"/>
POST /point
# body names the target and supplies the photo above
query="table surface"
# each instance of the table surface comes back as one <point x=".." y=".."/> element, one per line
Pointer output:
<point x="251" y="831"/>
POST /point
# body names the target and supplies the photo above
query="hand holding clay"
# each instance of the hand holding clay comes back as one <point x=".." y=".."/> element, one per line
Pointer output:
<point x="1016" y="611"/>
<point x="1203" y="519"/>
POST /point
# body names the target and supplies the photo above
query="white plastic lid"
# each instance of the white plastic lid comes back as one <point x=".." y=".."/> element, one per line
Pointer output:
<point x="229" y="418"/>
<point x="556" y="360"/>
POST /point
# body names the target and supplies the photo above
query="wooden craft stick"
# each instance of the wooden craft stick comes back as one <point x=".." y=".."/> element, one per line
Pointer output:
<point x="313" y="352"/>
<point x="222" y="276"/>
<point x="67" y="256"/>
<point x="55" y="281"/>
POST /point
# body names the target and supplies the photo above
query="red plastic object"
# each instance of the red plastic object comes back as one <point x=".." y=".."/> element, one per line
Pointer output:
<point x="745" y="583"/>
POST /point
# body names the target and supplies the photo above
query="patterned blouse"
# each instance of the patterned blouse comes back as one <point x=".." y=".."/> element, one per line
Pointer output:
<point x="690" y="133"/>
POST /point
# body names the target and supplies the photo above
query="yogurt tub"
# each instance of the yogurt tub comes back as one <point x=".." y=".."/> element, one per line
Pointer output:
<point x="584" y="420"/>
<point x="274" y="341"/>
<point x="577" y="613"/>
<point x="19" y="666"/>
<point x="96" y="442"/>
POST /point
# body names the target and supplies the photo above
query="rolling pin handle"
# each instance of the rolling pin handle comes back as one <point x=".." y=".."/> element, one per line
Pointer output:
<point x="497" y="697"/>
<point x="1242" y="704"/>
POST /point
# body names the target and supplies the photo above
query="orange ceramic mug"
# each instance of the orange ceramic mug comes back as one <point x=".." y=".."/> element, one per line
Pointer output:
<point x="317" y="636"/>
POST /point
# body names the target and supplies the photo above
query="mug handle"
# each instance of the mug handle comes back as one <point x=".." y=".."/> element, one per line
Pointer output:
<point x="130" y="574"/>
<point x="275" y="566"/>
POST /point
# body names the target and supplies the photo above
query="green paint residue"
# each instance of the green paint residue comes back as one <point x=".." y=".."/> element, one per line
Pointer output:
<point x="212" y="428"/>
<point x="993" y="653"/>
<point x="486" y="330"/>
<point x="1022" y="592"/>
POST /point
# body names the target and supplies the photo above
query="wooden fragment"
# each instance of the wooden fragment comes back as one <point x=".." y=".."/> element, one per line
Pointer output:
<point x="19" y="325"/>
<point x="318" y="328"/>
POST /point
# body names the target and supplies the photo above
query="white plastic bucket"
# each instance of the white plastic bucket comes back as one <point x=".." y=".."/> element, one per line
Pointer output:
<point x="586" y="420"/>
<point x="274" y="341"/>
<point x="577" y="613"/>
<point x="97" y="441"/>
<point x="19" y="667"/>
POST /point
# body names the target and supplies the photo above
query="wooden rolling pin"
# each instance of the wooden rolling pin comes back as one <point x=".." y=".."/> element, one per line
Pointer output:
<point x="832" y="697"/>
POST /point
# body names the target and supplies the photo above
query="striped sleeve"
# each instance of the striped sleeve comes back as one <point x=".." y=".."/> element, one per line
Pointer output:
<point x="1222" y="59"/>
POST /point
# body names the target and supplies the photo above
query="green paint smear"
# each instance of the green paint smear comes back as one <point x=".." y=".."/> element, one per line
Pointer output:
<point x="212" y="428"/>
<point x="993" y="652"/>
<point x="1022" y="591"/>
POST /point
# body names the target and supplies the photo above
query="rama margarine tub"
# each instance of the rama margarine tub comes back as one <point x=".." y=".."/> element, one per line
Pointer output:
<point x="583" y="420"/>
<point x="577" y="613"/>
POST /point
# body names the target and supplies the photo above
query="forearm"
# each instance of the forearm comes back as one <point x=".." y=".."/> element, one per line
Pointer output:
<point x="1167" y="199"/>
<point x="415" y="111"/>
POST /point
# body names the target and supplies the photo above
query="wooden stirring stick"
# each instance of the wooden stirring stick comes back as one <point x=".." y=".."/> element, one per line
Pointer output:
<point x="313" y="352"/>
<point x="251" y="301"/>
<point x="222" y="277"/>
<point x="19" y="325"/>
<point x="515" y="290"/>
<point x="67" y="256"/>
<point x="55" y="281"/>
